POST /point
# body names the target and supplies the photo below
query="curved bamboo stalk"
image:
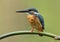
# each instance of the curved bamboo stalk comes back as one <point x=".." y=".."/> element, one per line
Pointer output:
<point x="28" y="32"/>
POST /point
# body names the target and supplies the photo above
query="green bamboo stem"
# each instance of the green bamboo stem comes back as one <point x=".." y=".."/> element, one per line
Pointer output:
<point x="28" y="32"/>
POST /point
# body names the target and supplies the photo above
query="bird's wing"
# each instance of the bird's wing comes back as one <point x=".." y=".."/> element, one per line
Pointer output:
<point x="41" y="19"/>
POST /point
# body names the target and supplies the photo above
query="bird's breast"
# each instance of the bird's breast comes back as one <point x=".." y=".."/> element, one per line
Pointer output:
<point x="31" y="18"/>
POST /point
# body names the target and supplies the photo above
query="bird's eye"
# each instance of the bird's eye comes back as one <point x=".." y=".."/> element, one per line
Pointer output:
<point x="30" y="12"/>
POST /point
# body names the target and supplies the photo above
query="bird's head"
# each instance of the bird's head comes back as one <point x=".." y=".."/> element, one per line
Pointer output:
<point x="29" y="10"/>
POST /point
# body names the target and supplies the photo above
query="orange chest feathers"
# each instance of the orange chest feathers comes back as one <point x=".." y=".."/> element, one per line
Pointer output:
<point x="34" y="21"/>
<point x="31" y="18"/>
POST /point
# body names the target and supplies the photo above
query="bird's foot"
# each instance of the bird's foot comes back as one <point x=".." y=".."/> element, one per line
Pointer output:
<point x="40" y="35"/>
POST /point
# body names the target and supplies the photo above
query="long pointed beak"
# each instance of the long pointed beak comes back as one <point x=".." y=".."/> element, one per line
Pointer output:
<point x="21" y="11"/>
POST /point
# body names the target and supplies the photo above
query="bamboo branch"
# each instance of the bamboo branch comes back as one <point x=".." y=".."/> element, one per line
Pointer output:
<point x="28" y="32"/>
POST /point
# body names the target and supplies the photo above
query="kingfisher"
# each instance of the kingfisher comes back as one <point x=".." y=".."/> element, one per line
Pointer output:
<point x="35" y="19"/>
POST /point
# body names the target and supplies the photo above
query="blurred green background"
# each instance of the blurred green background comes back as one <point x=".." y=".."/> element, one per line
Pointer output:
<point x="11" y="21"/>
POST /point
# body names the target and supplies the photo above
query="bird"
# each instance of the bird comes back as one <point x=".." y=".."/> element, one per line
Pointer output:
<point x="35" y="19"/>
